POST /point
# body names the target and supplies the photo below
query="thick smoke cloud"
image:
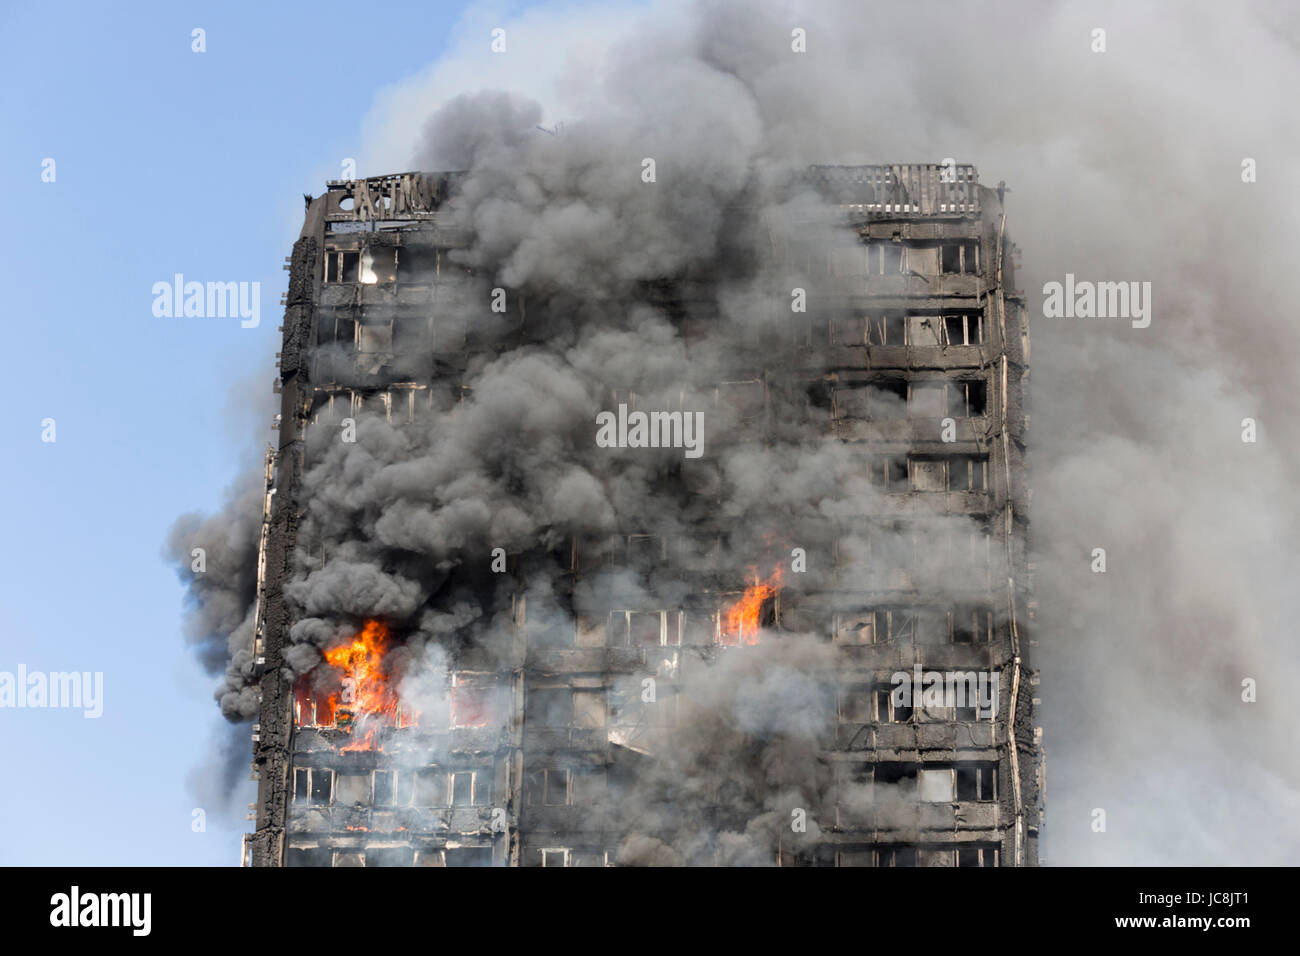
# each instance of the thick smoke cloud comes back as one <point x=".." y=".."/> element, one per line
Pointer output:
<point x="1123" y="165"/>
<point x="221" y="590"/>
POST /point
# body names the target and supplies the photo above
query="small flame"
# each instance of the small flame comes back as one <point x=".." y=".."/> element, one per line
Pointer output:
<point x="740" y="621"/>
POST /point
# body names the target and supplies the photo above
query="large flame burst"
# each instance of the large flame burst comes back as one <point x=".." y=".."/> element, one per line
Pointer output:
<point x="368" y="699"/>
<point x="741" y="620"/>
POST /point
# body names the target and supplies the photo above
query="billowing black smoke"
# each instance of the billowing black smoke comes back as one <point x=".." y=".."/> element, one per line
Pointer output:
<point x="1124" y="165"/>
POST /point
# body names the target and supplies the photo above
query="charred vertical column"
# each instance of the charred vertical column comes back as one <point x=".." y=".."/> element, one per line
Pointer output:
<point x="272" y="748"/>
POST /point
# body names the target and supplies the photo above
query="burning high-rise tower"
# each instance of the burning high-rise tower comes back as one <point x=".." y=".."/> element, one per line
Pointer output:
<point x="777" y="613"/>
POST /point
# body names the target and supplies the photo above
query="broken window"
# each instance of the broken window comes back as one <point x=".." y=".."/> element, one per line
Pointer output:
<point x="891" y="473"/>
<point x="963" y="329"/>
<point x="967" y="552"/>
<point x="743" y="402"/>
<point x="744" y="615"/>
<point x="301" y="786"/>
<point x="968" y="473"/>
<point x="470" y="788"/>
<point x="549" y="707"/>
<point x="982" y="855"/>
<point x="374" y="337"/>
<point x="399" y="408"/>
<point x="854" y="774"/>
<point x="322" y="787"/>
<point x="891" y="258"/>
<point x="378" y="264"/>
<point x="928" y="400"/>
<point x="390" y="856"/>
<point x="972" y="626"/>
<point x="323" y="410"/>
<point x="617" y="633"/>
<point x="411" y="334"/>
<point x="469" y="856"/>
<point x="671" y="628"/>
<point x="960" y="258"/>
<point x="855" y="628"/>
<point x="873" y="258"/>
<point x="548" y="788"/>
<point x="848" y="260"/>
<point x="589" y="709"/>
<point x="644" y="629"/>
<point x="313" y="786"/>
<point x="352" y="789"/>
<point x="382" y="788"/>
<point x="554" y="856"/>
<point x="923" y="260"/>
<point x="896" y="856"/>
<point x="976" y="781"/>
<point x="462" y="789"/>
<point x="336" y="329"/>
<point x="968" y="398"/>
<point x="886" y="328"/>
<point x="644" y="551"/>
<point x="888" y="711"/>
<point x="851" y="400"/>
<point x="588" y="787"/>
<point x="930" y="626"/>
<point x="701" y="628"/>
<point x="902" y="625"/>
<point x="310" y="707"/>
<point x="895" y="774"/>
<point x="471" y="702"/>
<point x="935" y="785"/>
<point x="966" y="706"/>
<point x="849" y="330"/>
<point x="951" y="258"/>
<point x="430" y="789"/>
<point x="889" y="398"/>
<point x="924" y="330"/>
<point x="855" y="704"/>
<point x="341" y="265"/>
<point x="310" y="856"/>
<point x="417" y="263"/>
<point x="818" y="395"/>
<point x="350" y="266"/>
<point x="935" y="856"/>
<point x="549" y="625"/>
<point x="928" y="474"/>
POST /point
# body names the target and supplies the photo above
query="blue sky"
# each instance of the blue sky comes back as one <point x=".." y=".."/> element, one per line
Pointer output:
<point x="166" y="161"/>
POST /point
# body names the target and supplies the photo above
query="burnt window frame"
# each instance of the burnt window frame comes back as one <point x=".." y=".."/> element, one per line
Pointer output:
<point x="339" y="263"/>
<point x="308" y="782"/>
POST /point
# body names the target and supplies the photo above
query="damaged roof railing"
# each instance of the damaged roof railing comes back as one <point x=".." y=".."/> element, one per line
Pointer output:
<point x="398" y="196"/>
<point x="926" y="189"/>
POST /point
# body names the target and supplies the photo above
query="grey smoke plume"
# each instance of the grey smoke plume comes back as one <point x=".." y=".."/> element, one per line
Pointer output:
<point x="1124" y="165"/>
<point x="221" y="591"/>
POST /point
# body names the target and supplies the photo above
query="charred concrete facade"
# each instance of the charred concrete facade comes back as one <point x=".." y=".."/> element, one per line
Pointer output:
<point x="908" y="345"/>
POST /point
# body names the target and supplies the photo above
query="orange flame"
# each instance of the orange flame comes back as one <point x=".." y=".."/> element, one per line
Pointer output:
<point x="368" y="700"/>
<point x="740" y="620"/>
